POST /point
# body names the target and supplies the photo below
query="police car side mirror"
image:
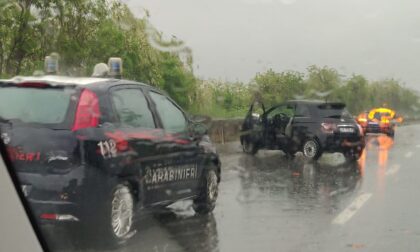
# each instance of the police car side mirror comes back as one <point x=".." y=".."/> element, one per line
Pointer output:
<point x="199" y="129"/>
<point x="199" y="125"/>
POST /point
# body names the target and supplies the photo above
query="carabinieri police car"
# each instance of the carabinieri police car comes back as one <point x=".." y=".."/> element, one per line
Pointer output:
<point x="97" y="150"/>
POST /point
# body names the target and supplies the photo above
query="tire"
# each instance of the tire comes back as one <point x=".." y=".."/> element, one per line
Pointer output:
<point x="391" y="133"/>
<point x="115" y="219"/>
<point x="249" y="147"/>
<point x="206" y="201"/>
<point x="311" y="149"/>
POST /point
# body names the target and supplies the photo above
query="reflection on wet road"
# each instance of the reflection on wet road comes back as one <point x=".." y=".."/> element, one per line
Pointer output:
<point x="270" y="203"/>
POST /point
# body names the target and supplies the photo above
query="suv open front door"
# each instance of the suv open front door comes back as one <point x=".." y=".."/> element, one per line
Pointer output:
<point x="252" y="127"/>
<point x="278" y="126"/>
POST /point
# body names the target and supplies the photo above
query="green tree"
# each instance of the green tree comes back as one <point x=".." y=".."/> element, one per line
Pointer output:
<point x="355" y="94"/>
<point x="323" y="82"/>
<point x="279" y="87"/>
<point x="86" y="32"/>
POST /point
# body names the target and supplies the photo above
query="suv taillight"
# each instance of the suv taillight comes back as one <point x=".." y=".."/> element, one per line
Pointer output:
<point x="87" y="113"/>
<point x="328" y="127"/>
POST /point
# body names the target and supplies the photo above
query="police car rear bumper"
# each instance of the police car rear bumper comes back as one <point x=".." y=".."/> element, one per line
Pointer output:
<point x="46" y="212"/>
<point x="54" y="197"/>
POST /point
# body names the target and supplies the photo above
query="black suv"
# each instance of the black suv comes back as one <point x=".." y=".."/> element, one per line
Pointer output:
<point x="312" y="127"/>
<point x="95" y="151"/>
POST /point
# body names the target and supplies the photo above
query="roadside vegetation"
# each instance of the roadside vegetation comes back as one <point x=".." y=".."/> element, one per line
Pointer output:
<point x="86" y="32"/>
<point x="321" y="83"/>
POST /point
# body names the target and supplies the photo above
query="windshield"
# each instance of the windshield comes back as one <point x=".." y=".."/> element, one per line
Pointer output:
<point x="213" y="126"/>
<point x="34" y="105"/>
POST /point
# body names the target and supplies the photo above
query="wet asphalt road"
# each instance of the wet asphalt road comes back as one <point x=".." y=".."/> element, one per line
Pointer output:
<point x="268" y="203"/>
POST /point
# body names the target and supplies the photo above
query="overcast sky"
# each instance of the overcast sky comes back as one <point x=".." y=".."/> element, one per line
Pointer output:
<point x="234" y="39"/>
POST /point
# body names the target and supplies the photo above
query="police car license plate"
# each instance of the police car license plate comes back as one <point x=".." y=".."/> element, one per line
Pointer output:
<point x="347" y="130"/>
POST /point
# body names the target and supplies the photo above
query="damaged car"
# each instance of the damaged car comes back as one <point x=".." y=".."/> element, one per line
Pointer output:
<point x="310" y="127"/>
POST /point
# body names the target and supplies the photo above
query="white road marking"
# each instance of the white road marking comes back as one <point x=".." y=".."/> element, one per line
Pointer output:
<point x="409" y="154"/>
<point x="394" y="169"/>
<point x="351" y="210"/>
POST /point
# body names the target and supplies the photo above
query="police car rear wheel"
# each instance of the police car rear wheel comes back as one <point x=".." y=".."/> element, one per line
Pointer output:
<point x="114" y="221"/>
<point x="206" y="202"/>
<point x="121" y="211"/>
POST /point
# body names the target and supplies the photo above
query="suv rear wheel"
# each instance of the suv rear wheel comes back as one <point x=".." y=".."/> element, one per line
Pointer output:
<point x="311" y="149"/>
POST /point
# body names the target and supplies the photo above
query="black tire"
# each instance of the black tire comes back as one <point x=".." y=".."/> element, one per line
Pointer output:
<point x="311" y="149"/>
<point x="206" y="201"/>
<point x="249" y="146"/>
<point x="114" y="221"/>
<point x="391" y="133"/>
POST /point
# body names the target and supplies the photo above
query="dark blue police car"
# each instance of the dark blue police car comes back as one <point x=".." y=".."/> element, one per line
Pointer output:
<point x="96" y="151"/>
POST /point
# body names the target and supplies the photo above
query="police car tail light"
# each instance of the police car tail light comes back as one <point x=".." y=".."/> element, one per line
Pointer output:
<point x="87" y="113"/>
<point x="328" y="127"/>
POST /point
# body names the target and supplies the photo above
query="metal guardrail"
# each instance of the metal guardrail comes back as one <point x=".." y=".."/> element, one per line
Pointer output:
<point x="225" y="130"/>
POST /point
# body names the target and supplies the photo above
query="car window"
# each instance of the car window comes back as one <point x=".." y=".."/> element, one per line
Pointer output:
<point x="283" y="109"/>
<point x="172" y="117"/>
<point x="377" y="116"/>
<point x="35" y="105"/>
<point x="302" y="110"/>
<point x="132" y="108"/>
<point x="333" y="111"/>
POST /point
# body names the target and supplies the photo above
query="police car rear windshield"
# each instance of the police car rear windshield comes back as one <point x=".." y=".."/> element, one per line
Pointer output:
<point x="333" y="110"/>
<point x="46" y="106"/>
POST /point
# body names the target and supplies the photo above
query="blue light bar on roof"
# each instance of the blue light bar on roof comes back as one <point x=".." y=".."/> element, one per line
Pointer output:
<point x="51" y="64"/>
<point x="115" y="67"/>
